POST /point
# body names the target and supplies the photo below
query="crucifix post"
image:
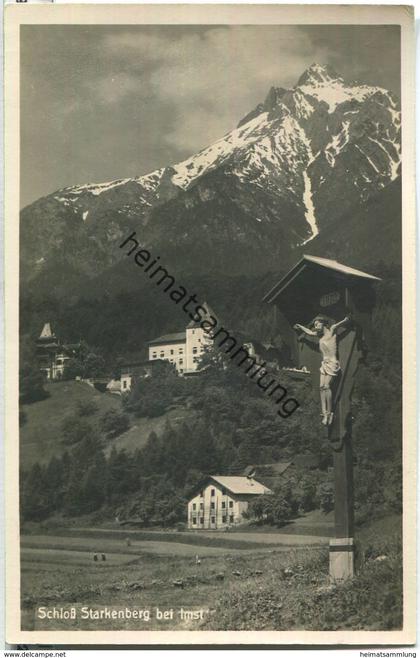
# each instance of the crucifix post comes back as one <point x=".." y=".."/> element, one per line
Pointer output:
<point x="322" y="286"/>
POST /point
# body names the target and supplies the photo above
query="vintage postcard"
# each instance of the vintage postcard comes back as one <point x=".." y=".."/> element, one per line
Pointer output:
<point x="210" y="324"/>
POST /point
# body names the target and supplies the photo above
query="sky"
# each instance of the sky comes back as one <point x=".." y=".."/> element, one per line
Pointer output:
<point x="100" y="103"/>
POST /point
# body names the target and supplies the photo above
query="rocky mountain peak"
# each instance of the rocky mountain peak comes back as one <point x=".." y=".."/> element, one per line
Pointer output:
<point x="273" y="181"/>
<point x="318" y="74"/>
<point x="273" y="97"/>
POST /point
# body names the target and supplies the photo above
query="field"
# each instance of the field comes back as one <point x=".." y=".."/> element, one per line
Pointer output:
<point x="242" y="581"/>
<point x="40" y="436"/>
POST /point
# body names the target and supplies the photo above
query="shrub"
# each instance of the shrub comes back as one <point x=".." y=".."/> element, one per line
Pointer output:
<point x="73" y="368"/>
<point x="326" y="497"/>
<point x="87" y="407"/>
<point x="271" y="509"/>
<point x="309" y="500"/>
<point x="75" y="429"/>
<point x="31" y="384"/>
<point x="113" y="423"/>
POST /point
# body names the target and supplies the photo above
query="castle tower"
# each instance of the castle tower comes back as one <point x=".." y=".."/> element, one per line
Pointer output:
<point x="197" y="340"/>
<point x="46" y="349"/>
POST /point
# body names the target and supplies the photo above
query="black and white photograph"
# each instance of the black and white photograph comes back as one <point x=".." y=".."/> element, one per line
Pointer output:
<point x="211" y="409"/>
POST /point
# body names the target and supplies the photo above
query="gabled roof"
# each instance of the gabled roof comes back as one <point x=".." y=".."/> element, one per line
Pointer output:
<point x="238" y="484"/>
<point x="47" y="331"/>
<point x="339" y="267"/>
<point x="311" y="263"/>
<point x="169" y="338"/>
<point x="268" y="474"/>
<point x="277" y="468"/>
<point x="143" y="365"/>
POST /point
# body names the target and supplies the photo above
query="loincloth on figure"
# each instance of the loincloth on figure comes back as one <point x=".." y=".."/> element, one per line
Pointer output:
<point x="330" y="367"/>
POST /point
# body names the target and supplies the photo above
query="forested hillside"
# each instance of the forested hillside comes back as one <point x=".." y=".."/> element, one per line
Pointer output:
<point x="312" y="169"/>
<point x="232" y="425"/>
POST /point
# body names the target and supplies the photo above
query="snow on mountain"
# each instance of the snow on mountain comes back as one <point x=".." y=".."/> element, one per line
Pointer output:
<point x="149" y="182"/>
<point x="277" y="176"/>
<point x="330" y="88"/>
<point x="336" y="145"/>
<point x="302" y="138"/>
<point x="216" y="154"/>
<point x="310" y="215"/>
<point x="97" y="189"/>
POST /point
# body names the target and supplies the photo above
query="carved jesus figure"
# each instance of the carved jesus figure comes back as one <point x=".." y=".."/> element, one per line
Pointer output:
<point x="322" y="328"/>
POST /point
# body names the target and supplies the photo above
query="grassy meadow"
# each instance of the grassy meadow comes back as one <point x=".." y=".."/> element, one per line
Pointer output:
<point x="244" y="581"/>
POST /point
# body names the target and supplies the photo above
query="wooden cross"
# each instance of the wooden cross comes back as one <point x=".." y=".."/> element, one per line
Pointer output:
<point x="319" y="285"/>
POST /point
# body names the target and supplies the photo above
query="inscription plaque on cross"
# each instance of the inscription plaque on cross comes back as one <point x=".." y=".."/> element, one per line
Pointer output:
<point x="327" y="307"/>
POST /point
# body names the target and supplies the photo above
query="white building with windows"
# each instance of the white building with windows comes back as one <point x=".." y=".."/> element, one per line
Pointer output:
<point x="197" y="342"/>
<point x="172" y="348"/>
<point x="183" y="349"/>
<point x="221" y="501"/>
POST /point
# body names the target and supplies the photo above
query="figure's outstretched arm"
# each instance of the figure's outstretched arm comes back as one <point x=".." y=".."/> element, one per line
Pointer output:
<point x="342" y="323"/>
<point x="300" y="327"/>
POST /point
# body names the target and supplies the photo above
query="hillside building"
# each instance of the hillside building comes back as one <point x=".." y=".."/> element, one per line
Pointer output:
<point x="134" y="369"/>
<point x="52" y="354"/>
<point x="170" y="347"/>
<point x="184" y="349"/>
<point x="277" y="474"/>
<point x="222" y="500"/>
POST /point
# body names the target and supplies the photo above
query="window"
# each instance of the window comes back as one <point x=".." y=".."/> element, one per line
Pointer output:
<point x="124" y="383"/>
<point x="202" y="521"/>
<point x="172" y="351"/>
<point x="194" y="350"/>
<point x="194" y="521"/>
<point x="195" y="359"/>
<point x="231" y="503"/>
<point x="224" y="519"/>
<point x="194" y="506"/>
<point x="181" y="350"/>
<point x="162" y="354"/>
<point x="231" y="518"/>
<point x="213" y="519"/>
<point x="211" y="505"/>
<point x="181" y="361"/>
<point x="213" y="492"/>
<point x="154" y="355"/>
<point x="201" y="505"/>
<point x="223" y="505"/>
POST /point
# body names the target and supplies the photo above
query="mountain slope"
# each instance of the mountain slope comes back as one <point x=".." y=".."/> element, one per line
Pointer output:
<point x="242" y="204"/>
<point x="357" y="239"/>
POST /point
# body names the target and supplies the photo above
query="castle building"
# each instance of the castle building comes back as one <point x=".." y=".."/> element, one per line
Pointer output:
<point x="221" y="501"/>
<point x="52" y="355"/>
<point x="172" y="348"/>
<point x="184" y="349"/>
